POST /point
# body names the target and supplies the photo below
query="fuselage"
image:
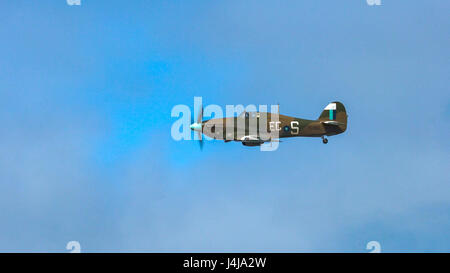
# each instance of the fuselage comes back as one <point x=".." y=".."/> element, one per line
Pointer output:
<point x="261" y="126"/>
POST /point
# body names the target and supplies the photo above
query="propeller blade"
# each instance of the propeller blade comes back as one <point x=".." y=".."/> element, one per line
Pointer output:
<point x="200" y="115"/>
<point x="200" y="140"/>
<point x="199" y="121"/>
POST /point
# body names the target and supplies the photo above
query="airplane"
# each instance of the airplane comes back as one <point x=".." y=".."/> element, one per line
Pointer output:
<point x="245" y="128"/>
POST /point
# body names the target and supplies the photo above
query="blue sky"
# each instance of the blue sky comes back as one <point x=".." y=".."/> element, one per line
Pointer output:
<point x="86" y="94"/>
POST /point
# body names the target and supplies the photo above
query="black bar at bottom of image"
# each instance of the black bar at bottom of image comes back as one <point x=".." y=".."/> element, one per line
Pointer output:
<point x="221" y="262"/>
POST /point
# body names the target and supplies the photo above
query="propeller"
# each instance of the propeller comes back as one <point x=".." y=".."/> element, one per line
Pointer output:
<point x="199" y="133"/>
<point x="198" y="126"/>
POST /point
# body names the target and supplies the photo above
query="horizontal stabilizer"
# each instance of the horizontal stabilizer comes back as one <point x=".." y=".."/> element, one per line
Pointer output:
<point x="332" y="122"/>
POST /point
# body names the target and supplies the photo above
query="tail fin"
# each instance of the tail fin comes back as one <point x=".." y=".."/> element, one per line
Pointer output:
<point x="335" y="112"/>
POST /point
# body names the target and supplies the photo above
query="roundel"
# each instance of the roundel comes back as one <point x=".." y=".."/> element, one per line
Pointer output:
<point x="286" y="128"/>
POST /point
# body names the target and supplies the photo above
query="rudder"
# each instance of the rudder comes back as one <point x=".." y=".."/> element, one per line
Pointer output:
<point x="335" y="111"/>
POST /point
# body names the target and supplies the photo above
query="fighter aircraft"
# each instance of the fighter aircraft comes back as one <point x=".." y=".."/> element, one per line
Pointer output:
<point x="255" y="128"/>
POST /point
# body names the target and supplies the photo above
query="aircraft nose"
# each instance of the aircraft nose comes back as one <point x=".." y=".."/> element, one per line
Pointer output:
<point x="196" y="126"/>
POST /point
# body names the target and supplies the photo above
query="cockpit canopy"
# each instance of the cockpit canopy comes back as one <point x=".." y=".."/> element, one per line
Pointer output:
<point x="249" y="114"/>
